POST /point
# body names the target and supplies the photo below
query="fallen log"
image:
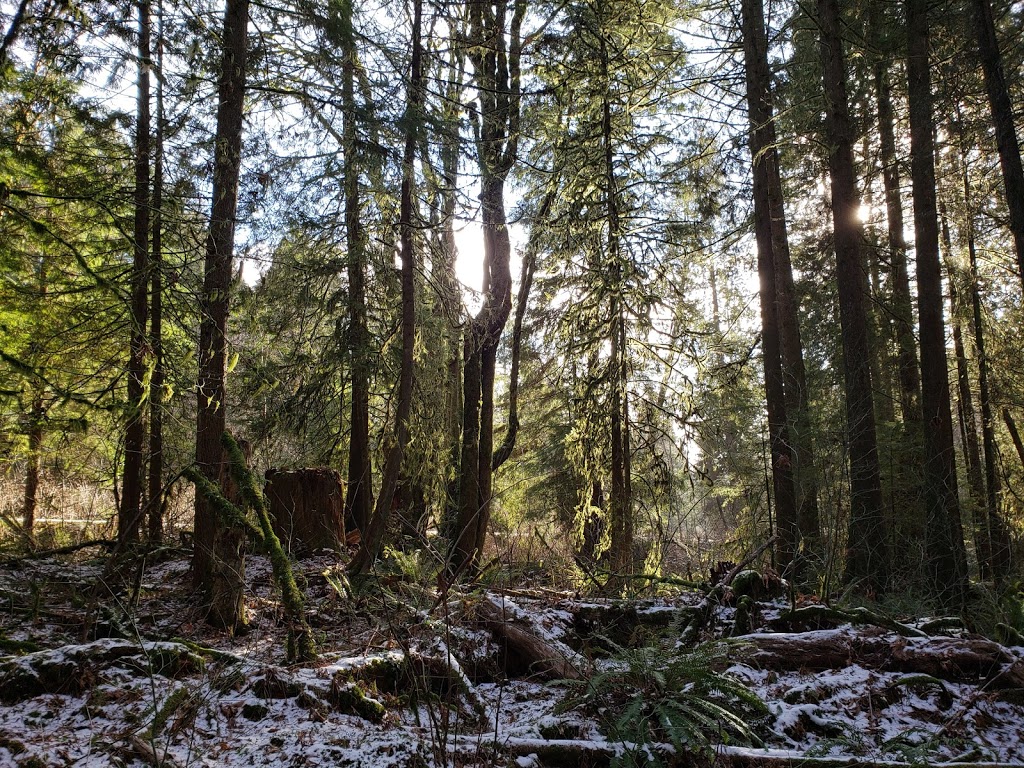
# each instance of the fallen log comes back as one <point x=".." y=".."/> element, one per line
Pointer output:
<point x="136" y="747"/>
<point x="546" y="659"/>
<point x="41" y="554"/>
<point x="567" y="753"/>
<point x="965" y="660"/>
<point x="825" y="617"/>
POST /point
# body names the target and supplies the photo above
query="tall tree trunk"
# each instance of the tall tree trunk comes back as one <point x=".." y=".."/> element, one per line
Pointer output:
<point x="999" y="537"/>
<point x="1011" y="427"/>
<point x="156" y="340"/>
<point x="526" y="273"/>
<point x="966" y="414"/>
<point x="620" y="501"/>
<point x="495" y="53"/>
<point x="359" y="491"/>
<point x="867" y="560"/>
<point x="946" y="565"/>
<point x="902" y="303"/>
<point x="218" y="562"/>
<point x="1002" y="119"/>
<point x="446" y="309"/>
<point x="129" y="515"/>
<point x="908" y="519"/>
<point x="373" y="535"/>
<point x="761" y="139"/>
<point x="35" y="446"/>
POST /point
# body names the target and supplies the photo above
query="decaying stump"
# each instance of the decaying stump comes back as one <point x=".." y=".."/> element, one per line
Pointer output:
<point x="308" y="507"/>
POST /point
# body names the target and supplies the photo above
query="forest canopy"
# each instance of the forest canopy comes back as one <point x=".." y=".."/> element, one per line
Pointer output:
<point x="613" y="289"/>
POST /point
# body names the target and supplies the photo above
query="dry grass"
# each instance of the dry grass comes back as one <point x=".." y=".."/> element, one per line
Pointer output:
<point x="69" y="512"/>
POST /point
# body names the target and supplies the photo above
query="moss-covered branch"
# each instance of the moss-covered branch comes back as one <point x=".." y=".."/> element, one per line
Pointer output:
<point x="300" y="636"/>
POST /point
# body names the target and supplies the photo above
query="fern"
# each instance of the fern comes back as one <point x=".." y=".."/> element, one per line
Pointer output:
<point x="657" y="695"/>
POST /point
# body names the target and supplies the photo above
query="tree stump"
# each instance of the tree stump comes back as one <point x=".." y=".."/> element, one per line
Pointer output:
<point x="308" y="508"/>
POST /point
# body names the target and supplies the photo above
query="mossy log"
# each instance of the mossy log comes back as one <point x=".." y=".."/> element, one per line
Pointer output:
<point x="963" y="660"/>
<point x="342" y="691"/>
<point x="545" y="658"/>
<point x="564" y="753"/>
<point x="74" y="668"/>
<point x="307" y="507"/>
<point x="825" y="617"/>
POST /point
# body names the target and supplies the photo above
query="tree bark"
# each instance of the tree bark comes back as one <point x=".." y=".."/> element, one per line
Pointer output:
<point x="359" y="491"/>
<point x="495" y="53"/>
<point x="529" y="267"/>
<point x="1011" y="427"/>
<point x="946" y="565"/>
<point x="760" y="115"/>
<point x="902" y="304"/>
<point x="35" y="445"/>
<point x="129" y="516"/>
<point x="548" y="661"/>
<point x="999" y="537"/>
<point x="867" y="558"/>
<point x="620" y="501"/>
<point x="1001" y="108"/>
<point x="961" y="660"/>
<point x="793" y="368"/>
<point x="373" y="535"/>
<point x="155" y="504"/>
<point x="969" y="435"/>
<point x="217" y="560"/>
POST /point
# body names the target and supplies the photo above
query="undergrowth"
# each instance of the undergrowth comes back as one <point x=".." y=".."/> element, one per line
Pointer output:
<point x="662" y="695"/>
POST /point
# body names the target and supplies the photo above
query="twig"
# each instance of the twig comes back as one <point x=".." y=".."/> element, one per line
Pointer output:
<point x="747" y="561"/>
<point x="71" y="548"/>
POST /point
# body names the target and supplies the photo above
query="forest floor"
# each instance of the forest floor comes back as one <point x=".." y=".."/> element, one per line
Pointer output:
<point x="92" y="675"/>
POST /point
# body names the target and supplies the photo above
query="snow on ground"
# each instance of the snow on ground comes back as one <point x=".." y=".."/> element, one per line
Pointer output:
<point x="246" y="708"/>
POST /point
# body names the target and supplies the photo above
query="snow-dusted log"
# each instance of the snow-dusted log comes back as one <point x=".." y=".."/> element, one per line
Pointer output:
<point x="547" y="658"/>
<point x="73" y="668"/>
<point x="441" y="664"/>
<point x="564" y="753"/>
<point x="967" y="660"/>
<point x="825" y="617"/>
<point x="148" y="753"/>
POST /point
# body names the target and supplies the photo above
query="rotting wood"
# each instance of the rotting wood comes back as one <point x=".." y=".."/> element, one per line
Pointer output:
<point x="139" y="748"/>
<point x="823" y="616"/>
<point x="545" y="659"/>
<point x="442" y="664"/>
<point x="967" y="660"/>
<point x="68" y="550"/>
<point x="567" y="753"/>
<point x="307" y="507"/>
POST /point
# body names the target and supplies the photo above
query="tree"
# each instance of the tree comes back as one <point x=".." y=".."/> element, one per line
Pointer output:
<point x="867" y="560"/>
<point x="1001" y="107"/>
<point x="130" y="514"/>
<point x="769" y="232"/>
<point x="156" y="333"/>
<point x="944" y="548"/>
<point x="902" y="308"/>
<point x="218" y="562"/>
<point x="62" y="254"/>
<point x="359" y="491"/>
<point x="373" y="536"/>
<point x="494" y="50"/>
